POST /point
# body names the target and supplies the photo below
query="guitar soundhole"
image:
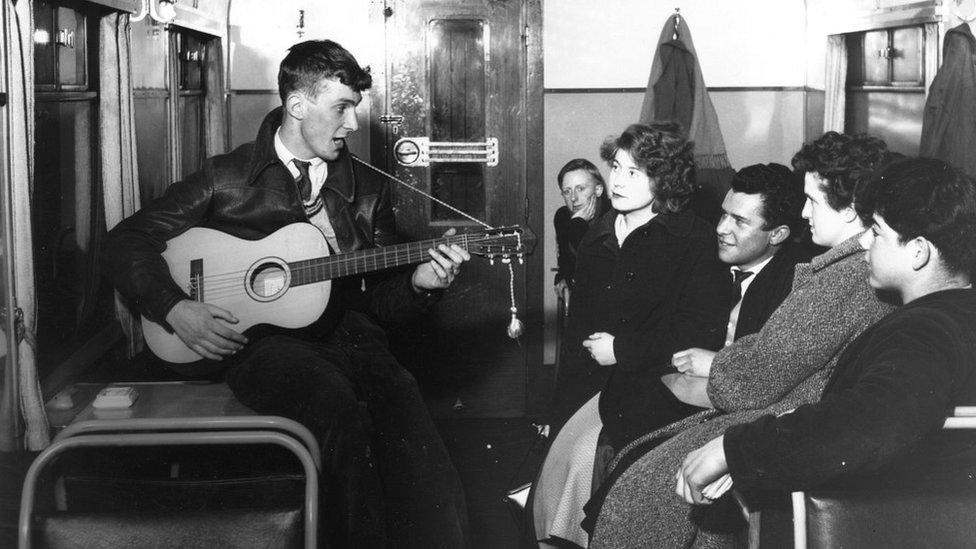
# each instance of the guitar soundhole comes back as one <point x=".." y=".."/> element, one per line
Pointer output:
<point x="267" y="281"/>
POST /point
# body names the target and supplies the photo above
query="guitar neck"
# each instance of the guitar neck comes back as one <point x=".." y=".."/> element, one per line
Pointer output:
<point x="310" y="271"/>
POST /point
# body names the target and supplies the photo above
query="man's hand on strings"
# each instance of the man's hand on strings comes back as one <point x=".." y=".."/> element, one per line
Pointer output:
<point x="197" y="325"/>
<point x="443" y="267"/>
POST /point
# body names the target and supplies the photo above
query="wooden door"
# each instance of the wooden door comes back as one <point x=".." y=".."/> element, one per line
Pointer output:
<point x="462" y="72"/>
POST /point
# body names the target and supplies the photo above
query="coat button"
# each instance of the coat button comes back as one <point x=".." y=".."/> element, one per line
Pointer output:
<point x="631" y="275"/>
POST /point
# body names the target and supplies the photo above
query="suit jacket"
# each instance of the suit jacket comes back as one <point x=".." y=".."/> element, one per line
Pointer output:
<point x="766" y="292"/>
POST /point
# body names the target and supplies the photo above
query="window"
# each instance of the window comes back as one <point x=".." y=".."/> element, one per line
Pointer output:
<point x="886" y="85"/>
<point x="74" y="302"/>
<point x="170" y="141"/>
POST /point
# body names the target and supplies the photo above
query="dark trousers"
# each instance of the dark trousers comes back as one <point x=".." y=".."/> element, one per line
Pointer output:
<point x="388" y="480"/>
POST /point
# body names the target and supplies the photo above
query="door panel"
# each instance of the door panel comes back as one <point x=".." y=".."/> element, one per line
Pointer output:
<point x="456" y="73"/>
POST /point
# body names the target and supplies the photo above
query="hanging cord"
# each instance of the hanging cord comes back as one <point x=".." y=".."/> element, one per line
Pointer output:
<point x="515" y="326"/>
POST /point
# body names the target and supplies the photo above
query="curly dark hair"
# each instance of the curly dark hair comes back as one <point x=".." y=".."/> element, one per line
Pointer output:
<point x="842" y="161"/>
<point x="928" y="198"/>
<point x="665" y="155"/>
<point x="310" y="61"/>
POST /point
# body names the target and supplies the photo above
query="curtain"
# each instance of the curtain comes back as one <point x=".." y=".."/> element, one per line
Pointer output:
<point x="18" y="22"/>
<point x="117" y="144"/>
<point x="215" y="113"/>
<point x="835" y="99"/>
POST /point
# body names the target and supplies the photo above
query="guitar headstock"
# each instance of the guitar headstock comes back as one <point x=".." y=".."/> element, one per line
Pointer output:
<point x="503" y="244"/>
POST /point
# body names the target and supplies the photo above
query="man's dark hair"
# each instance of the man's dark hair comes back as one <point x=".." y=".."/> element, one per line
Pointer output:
<point x="580" y="164"/>
<point x="927" y="198"/>
<point x="781" y="192"/>
<point x="665" y="155"/>
<point x="842" y="161"/>
<point x="309" y="62"/>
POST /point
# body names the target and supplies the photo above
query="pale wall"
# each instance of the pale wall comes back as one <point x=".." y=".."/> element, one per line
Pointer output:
<point x="260" y="34"/>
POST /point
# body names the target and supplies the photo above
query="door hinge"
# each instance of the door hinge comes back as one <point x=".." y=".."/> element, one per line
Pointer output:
<point x="526" y="36"/>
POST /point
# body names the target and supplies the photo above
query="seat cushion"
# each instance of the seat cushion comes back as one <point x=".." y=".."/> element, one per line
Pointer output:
<point x="889" y="518"/>
<point x="264" y="528"/>
<point x="176" y="479"/>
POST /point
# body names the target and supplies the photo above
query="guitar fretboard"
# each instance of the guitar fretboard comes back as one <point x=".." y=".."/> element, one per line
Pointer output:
<point x="310" y="271"/>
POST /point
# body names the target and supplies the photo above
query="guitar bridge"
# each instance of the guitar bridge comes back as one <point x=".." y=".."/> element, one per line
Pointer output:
<point x="196" y="280"/>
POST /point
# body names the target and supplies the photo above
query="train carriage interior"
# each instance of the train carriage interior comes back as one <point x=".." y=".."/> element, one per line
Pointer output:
<point x="117" y="432"/>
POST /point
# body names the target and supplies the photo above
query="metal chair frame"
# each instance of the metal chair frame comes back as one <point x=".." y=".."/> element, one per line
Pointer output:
<point x="69" y="442"/>
<point x="964" y="417"/>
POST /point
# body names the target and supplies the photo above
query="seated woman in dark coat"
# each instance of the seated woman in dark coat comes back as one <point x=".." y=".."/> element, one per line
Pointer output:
<point x="648" y="283"/>
<point x="584" y="193"/>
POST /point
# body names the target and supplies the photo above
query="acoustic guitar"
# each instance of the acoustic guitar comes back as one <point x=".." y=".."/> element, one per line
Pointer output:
<point x="285" y="278"/>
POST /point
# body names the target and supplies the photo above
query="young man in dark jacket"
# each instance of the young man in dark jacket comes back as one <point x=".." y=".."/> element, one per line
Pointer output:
<point x="387" y="475"/>
<point x="881" y="414"/>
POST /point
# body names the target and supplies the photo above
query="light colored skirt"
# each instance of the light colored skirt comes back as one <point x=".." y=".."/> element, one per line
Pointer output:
<point x="565" y="482"/>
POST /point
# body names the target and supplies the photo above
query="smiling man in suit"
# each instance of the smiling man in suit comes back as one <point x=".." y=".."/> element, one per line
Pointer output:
<point x="760" y="217"/>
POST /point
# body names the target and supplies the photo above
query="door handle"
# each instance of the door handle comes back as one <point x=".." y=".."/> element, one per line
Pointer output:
<point x="421" y="151"/>
<point x="393" y="120"/>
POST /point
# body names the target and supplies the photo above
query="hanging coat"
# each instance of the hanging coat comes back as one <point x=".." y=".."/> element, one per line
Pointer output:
<point x="949" y="123"/>
<point x="676" y="92"/>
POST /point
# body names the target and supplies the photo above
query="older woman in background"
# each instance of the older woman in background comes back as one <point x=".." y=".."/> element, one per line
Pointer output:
<point x="584" y="192"/>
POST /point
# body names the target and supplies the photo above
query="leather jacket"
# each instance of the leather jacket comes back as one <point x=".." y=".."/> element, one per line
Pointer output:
<point x="249" y="193"/>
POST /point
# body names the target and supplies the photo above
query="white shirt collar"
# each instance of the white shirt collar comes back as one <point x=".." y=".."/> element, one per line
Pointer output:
<point x="754" y="270"/>
<point x="317" y="171"/>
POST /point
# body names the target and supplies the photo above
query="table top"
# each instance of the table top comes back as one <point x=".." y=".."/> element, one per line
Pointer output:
<point x="171" y="399"/>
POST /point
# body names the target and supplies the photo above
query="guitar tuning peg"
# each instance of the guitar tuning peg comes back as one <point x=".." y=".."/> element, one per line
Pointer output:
<point x="491" y="260"/>
<point x="521" y="259"/>
<point x="506" y="260"/>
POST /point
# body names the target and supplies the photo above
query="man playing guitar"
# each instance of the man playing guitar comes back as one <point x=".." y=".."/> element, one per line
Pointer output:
<point x="299" y="170"/>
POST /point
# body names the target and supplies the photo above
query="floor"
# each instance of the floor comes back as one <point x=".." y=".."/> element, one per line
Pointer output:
<point x="491" y="455"/>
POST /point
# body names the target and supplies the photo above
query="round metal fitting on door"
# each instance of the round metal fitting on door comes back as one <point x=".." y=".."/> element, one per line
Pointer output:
<point x="407" y="152"/>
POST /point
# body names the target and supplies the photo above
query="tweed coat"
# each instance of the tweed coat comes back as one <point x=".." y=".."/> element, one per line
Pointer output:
<point x="784" y="365"/>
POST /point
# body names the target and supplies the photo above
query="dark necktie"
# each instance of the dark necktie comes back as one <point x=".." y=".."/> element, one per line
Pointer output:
<point x="737" y="278"/>
<point x="303" y="180"/>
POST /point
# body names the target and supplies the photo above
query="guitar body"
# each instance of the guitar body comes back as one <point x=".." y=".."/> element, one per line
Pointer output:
<point x="250" y="278"/>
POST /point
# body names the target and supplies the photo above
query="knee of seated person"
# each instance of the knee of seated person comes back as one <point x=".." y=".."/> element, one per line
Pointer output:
<point x="275" y="348"/>
<point x="403" y="378"/>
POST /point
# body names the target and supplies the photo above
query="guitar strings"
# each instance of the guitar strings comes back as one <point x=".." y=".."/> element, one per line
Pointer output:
<point x="409" y="251"/>
<point x="229" y="284"/>
<point x="217" y="286"/>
